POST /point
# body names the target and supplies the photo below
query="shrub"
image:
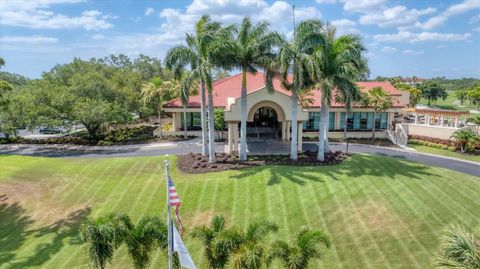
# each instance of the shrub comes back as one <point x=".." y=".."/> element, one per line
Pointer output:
<point x="127" y="134"/>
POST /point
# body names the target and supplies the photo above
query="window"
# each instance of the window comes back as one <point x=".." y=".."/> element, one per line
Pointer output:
<point x="363" y="121"/>
<point x="193" y="121"/>
<point x="313" y="122"/>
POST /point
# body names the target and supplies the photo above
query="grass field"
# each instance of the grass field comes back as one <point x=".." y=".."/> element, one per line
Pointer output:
<point x="450" y="103"/>
<point x="380" y="212"/>
<point x="447" y="153"/>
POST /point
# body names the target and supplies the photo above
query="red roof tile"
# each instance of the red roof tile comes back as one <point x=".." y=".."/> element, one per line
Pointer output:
<point x="231" y="87"/>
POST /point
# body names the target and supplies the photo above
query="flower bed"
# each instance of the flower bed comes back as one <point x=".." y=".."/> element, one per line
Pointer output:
<point x="195" y="163"/>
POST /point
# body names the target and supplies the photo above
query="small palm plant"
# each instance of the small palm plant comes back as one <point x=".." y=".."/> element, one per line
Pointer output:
<point x="464" y="138"/>
<point x="459" y="249"/>
<point x="208" y="235"/>
<point x="149" y="234"/>
<point x="103" y="236"/>
<point x="247" y="247"/>
<point x="298" y="255"/>
<point x="378" y="99"/>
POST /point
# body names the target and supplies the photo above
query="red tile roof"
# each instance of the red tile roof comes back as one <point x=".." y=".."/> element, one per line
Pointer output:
<point x="231" y="87"/>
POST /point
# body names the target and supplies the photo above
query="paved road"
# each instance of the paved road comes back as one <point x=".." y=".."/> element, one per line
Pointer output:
<point x="180" y="148"/>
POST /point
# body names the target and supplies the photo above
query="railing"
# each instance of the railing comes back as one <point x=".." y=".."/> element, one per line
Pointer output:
<point x="398" y="136"/>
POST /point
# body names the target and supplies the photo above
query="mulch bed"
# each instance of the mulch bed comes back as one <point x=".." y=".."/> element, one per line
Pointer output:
<point x="195" y="163"/>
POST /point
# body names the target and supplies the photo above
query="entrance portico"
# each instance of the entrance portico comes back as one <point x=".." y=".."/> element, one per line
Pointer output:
<point x="269" y="117"/>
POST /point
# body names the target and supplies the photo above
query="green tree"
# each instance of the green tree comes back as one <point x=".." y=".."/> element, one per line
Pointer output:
<point x="199" y="55"/>
<point x="147" y="235"/>
<point x="298" y="255"/>
<point x="340" y="63"/>
<point x="219" y="122"/>
<point x="297" y="61"/>
<point x="157" y="92"/>
<point x="248" y="246"/>
<point x="251" y="49"/>
<point x="379" y="100"/>
<point x="216" y="258"/>
<point x="433" y="91"/>
<point x="220" y="73"/>
<point x="459" y="249"/>
<point x="461" y="96"/>
<point x="415" y="96"/>
<point x="474" y="96"/>
<point x="465" y="138"/>
<point x="188" y="86"/>
<point x="103" y="236"/>
<point x="475" y="120"/>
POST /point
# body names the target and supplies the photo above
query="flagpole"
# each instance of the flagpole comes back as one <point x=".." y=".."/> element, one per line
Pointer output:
<point x="169" y="219"/>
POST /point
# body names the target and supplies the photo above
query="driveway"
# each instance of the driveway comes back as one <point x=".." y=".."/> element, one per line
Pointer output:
<point x="276" y="147"/>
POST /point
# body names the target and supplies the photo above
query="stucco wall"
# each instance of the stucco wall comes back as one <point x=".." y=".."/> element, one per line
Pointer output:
<point x="232" y="113"/>
<point x="429" y="130"/>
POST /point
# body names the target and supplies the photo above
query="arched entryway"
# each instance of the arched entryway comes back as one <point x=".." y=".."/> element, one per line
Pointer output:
<point x="264" y="124"/>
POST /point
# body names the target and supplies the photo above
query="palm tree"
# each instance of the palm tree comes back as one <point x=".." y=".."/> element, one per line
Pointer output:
<point x="459" y="249"/>
<point x="298" y="255"/>
<point x="475" y="120"/>
<point x="378" y="99"/>
<point x="103" y="236"/>
<point x="297" y="57"/>
<point x="208" y="234"/>
<point x="415" y="96"/>
<point x="195" y="54"/>
<point x="250" y="50"/>
<point x="433" y="91"/>
<point x="341" y="64"/>
<point x="157" y="91"/>
<point x="464" y="137"/>
<point x="144" y="238"/>
<point x="247" y="247"/>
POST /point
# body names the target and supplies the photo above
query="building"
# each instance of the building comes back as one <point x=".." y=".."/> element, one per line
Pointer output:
<point x="269" y="113"/>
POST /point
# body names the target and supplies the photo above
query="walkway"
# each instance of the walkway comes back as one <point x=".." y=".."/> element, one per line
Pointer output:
<point x="186" y="147"/>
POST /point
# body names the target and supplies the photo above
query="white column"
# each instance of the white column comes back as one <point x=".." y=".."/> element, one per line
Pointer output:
<point x="426" y="120"/>
<point x="416" y="118"/>
<point x="337" y="121"/>
<point x="300" y="136"/>
<point x="441" y="121"/>
<point x="230" y="137"/>
<point x="456" y="122"/>
<point x="288" y="134"/>
<point x="235" y="137"/>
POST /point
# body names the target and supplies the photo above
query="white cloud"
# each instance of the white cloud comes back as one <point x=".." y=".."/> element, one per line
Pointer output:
<point x="149" y="11"/>
<point x="452" y="10"/>
<point x="345" y="26"/>
<point x="28" y="39"/>
<point x="412" y="52"/>
<point x="405" y="36"/>
<point x="476" y="29"/>
<point x="98" y="37"/>
<point x="389" y="49"/>
<point x="362" y="5"/>
<point x="37" y="15"/>
<point x="326" y="1"/>
<point x="474" y="19"/>
<point x="441" y="46"/>
<point x="395" y="16"/>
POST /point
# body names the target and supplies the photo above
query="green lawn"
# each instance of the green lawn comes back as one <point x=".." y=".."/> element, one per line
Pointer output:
<point x="447" y="153"/>
<point x="380" y="212"/>
<point x="450" y="103"/>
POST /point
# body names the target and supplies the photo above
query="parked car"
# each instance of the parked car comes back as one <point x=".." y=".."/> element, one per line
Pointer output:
<point x="50" y="131"/>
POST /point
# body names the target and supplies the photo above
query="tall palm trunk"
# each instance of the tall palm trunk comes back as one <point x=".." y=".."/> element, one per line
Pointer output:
<point x="294" y="138"/>
<point x="243" y="119"/>
<point x="373" y="128"/>
<point x="159" y="113"/>
<point x="211" y="129"/>
<point x="185" y="122"/>
<point x="345" y="126"/>
<point x="203" y="118"/>
<point x="327" y="128"/>
<point x="322" y="132"/>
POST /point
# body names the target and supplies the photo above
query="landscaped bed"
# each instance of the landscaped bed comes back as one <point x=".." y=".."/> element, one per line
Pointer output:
<point x="380" y="212"/>
<point x="195" y="163"/>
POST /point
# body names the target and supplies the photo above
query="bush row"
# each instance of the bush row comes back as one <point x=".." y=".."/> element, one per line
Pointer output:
<point x="430" y="144"/>
<point x="446" y="142"/>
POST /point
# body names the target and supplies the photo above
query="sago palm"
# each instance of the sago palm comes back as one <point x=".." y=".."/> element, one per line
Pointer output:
<point x="208" y="235"/>
<point x="149" y="234"/>
<point x="197" y="54"/>
<point x="298" y="255"/>
<point x="379" y="100"/>
<point x="103" y="236"/>
<point x="340" y="64"/>
<point x="297" y="58"/>
<point x="156" y="91"/>
<point x="464" y="137"/>
<point x="459" y="249"/>
<point x="251" y="49"/>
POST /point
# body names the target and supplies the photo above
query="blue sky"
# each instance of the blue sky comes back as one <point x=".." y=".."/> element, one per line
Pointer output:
<point x="423" y="38"/>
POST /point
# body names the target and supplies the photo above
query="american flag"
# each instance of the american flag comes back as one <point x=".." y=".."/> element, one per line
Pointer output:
<point x="174" y="200"/>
